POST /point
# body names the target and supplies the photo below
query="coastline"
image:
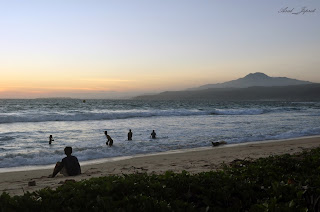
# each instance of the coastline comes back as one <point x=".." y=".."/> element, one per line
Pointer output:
<point x="15" y="182"/>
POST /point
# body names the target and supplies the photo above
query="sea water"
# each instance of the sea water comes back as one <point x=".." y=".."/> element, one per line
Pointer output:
<point x="25" y="126"/>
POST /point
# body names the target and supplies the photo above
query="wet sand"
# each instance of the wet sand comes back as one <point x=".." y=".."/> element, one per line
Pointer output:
<point x="193" y="161"/>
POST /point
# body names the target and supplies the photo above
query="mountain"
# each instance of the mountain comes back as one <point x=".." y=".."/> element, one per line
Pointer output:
<point x="254" y="79"/>
<point x="255" y="86"/>
<point x="306" y="92"/>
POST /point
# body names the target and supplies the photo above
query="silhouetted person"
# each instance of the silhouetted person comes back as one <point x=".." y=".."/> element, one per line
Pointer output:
<point x="50" y="139"/>
<point x="129" y="135"/>
<point x="153" y="134"/>
<point x="69" y="166"/>
<point x="109" y="139"/>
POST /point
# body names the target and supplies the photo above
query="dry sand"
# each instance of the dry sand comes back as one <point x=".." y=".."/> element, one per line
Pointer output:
<point x="193" y="161"/>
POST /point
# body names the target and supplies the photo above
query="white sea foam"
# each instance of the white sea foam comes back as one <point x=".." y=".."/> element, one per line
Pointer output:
<point x="239" y="111"/>
<point x="125" y="114"/>
<point x="110" y="115"/>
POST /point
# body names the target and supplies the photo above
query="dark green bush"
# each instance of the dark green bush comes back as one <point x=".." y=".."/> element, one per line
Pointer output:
<point x="278" y="183"/>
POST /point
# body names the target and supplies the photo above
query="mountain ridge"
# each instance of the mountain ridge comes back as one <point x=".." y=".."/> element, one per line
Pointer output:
<point x="308" y="92"/>
<point x="254" y="79"/>
<point x="253" y="89"/>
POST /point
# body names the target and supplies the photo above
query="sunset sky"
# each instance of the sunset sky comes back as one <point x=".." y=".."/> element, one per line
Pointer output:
<point x="102" y="48"/>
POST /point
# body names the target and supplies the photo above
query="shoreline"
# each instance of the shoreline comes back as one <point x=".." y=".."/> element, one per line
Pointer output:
<point x="196" y="160"/>
<point x="119" y="158"/>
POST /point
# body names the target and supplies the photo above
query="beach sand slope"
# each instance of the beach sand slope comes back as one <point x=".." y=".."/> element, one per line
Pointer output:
<point x="193" y="161"/>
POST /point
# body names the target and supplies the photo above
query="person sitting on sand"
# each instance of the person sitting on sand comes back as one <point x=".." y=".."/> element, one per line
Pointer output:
<point x="129" y="135"/>
<point x="109" y="141"/>
<point x="50" y="139"/>
<point x="153" y="134"/>
<point x="69" y="166"/>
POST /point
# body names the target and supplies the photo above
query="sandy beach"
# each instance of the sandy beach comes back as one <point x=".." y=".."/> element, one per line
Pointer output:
<point x="193" y="161"/>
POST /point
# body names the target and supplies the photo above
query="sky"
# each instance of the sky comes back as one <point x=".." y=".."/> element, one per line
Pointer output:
<point x="119" y="48"/>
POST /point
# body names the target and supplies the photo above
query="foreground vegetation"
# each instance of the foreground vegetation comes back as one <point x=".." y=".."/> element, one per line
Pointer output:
<point x="278" y="183"/>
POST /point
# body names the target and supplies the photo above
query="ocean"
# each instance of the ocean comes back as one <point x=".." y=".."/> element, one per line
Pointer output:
<point x="25" y="126"/>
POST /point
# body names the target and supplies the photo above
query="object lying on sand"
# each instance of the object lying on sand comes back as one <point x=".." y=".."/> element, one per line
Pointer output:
<point x="218" y="143"/>
<point x="32" y="183"/>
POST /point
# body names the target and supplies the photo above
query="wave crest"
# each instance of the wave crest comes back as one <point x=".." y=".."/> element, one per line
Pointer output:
<point x="127" y="114"/>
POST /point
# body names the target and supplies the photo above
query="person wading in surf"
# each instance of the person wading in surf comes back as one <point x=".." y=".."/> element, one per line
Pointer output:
<point x="153" y="134"/>
<point x="109" y="139"/>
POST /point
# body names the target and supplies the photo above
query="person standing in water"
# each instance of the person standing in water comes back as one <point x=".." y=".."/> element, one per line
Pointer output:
<point x="153" y="134"/>
<point x="50" y="139"/>
<point x="129" y="135"/>
<point x="109" y="139"/>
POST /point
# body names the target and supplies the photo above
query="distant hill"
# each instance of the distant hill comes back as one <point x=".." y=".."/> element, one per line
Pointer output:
<point x="307" y="92"/>
<point x="254" y="79"/>
<point x="255" y="86"/>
